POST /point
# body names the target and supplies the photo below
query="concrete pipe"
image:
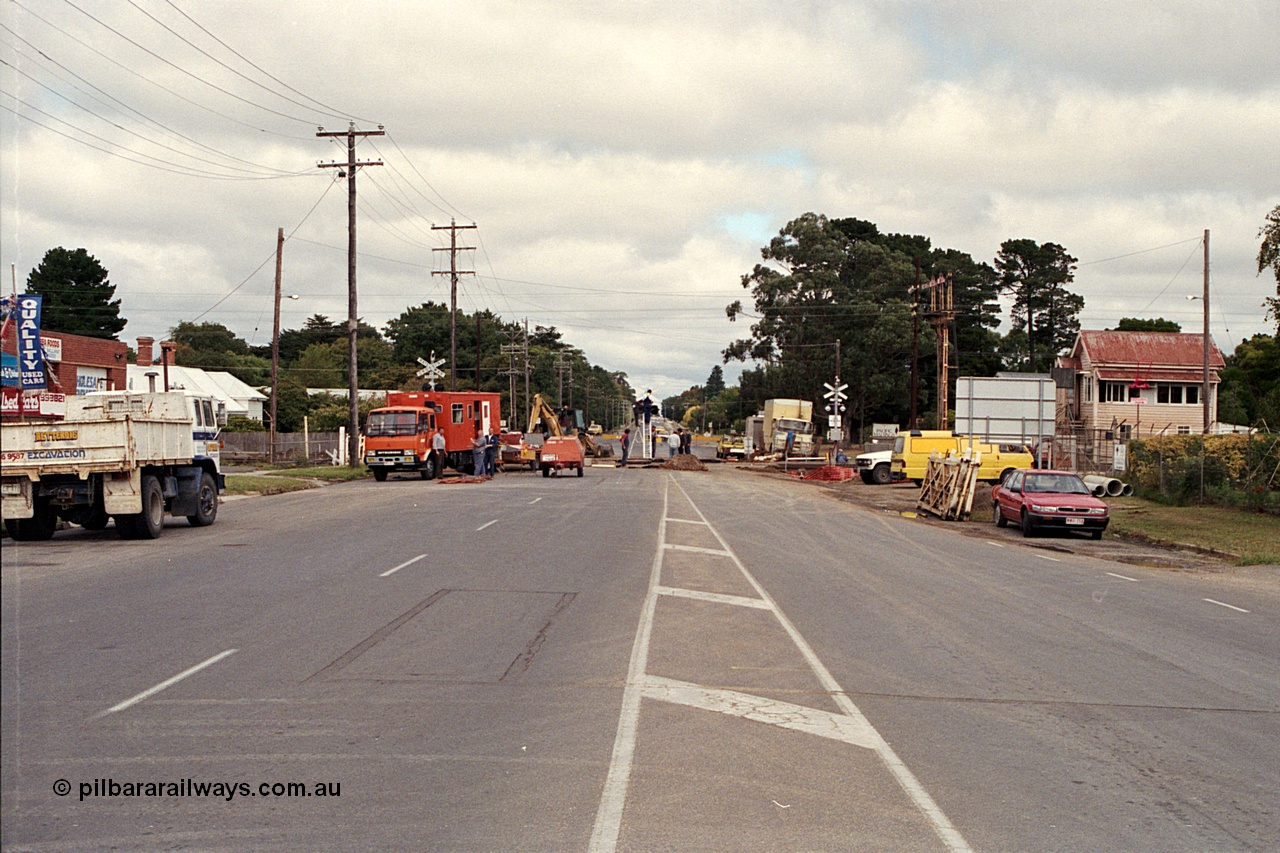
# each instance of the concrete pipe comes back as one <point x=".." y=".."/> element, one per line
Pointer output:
<point x="1098" y="484"/>
<point x="1127" y="491"/>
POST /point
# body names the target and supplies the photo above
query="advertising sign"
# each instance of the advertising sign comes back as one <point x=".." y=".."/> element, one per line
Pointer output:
<point x="30" y="354"/>
<point x="14" y="402"/>
<point x="9" y="370"/>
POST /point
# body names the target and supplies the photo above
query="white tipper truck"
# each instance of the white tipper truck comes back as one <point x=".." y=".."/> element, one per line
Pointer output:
<point x="134" y="457"/>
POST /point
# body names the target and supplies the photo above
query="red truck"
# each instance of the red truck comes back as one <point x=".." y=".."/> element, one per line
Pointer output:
<point x="398" y="436"/>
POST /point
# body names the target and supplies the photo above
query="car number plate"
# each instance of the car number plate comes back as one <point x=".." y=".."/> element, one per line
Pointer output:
<point x="1075" y="521"/>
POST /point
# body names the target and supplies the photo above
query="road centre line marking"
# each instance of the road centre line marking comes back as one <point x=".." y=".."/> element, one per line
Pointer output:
<point x="535" y="500"/>
<point x="486" y="524"/>
<point x="402" y="565"/>
<point x="164" y="685"/>
<point x="697" y="550"/>
<point x="841" y="727"/>
<point x="1224" y="604"/>
<point x="685" y="521"/>
<point x="1051" y="559"/>
<point x="1122" y="577"/>
<point x="989" y="542"/>
<point x="739" y="600"/>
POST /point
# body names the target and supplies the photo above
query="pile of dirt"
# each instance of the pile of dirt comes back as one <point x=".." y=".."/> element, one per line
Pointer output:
<point x="684" y="462"/>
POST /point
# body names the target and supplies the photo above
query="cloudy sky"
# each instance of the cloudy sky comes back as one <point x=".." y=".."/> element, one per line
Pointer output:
<point x="625" y="162"/>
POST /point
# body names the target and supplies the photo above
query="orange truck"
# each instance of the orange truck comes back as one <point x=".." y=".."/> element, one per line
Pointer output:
<point x="398" y="436"/>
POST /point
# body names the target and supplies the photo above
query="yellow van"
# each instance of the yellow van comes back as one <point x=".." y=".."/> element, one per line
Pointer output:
<point x="911" y="454"/>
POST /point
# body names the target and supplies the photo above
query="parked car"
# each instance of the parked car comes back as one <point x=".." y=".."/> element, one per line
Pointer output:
<point x="1048" y="500"/>
<point x="874" y="467"/>
<point x="731" y="447"/>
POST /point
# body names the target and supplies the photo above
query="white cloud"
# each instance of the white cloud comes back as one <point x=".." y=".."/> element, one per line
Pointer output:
<point x="626" y="162"/>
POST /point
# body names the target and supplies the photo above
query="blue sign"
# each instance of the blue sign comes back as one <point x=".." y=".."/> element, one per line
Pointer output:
<point x="9" y="376"/>
<point x="30" y="353"/>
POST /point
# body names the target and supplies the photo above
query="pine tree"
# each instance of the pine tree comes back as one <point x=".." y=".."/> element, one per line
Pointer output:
<point x="77" y="295"/>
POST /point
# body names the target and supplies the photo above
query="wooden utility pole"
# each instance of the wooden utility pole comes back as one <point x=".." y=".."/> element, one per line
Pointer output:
<point x="453" y="273"/>
<point x="1204" y="391"/>
<point x="915" y="347"/>
<point x="348" y="169"/>
<point x="275" y="349"/>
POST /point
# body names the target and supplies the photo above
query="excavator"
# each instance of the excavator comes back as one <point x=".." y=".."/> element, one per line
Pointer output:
<point x="541" y="413"/>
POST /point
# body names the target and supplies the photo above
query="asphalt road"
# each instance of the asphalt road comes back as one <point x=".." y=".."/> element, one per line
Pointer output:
<point x="635" y="660"/>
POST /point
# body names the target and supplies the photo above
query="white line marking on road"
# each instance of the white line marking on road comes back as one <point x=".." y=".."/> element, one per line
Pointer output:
<point x="604" y="837"/>
<point x="402" y="565"/>
<point x="164" y="685"/>
<point x="486" y="524"/>
<point x="685" y="521"/>
<point x="698" y="550"/>
<point x="949" y="835"/>
<point x="608" y="825"/>
<point x="535" y="500"/>
<point x="989" y="542"/>
<point x="719" y="598"/>
<point x="1122" y="577"/>
<point x="1224" y="604"/>
<point x="1051" y="559"/>
<point x="841" y="727"/>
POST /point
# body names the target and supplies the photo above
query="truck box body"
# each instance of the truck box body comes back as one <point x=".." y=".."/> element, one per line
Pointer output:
<point x="93" y="463"/>
<point x="782" y="417"/>
<point x="398" y="436"/>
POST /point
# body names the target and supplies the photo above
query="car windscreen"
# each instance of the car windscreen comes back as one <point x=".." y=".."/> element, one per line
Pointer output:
<point x="392" y="423"/>
<point x="1067" y="484"/>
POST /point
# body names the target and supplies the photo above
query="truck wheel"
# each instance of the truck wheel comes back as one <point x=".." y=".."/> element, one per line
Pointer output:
<point x="428" y="470"/>
<point x="579" y="470"/>
<point x="1000" y="520"/>
<point x="206" y="502"/>
<point x="38" y="528"/>
<point x="380" y="474"/>
<point x="880" y="474"/>
<point x="148" y="523"/>
<point x="546" y="470"/>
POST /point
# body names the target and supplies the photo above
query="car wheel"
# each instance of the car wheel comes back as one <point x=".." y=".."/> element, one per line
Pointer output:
<point x="1004" y="475"/>
<point x="1027" y="528"/>
<point x="999" y="518"/>
<point x="881" y="475"/>
<point x="1097" y="534"/>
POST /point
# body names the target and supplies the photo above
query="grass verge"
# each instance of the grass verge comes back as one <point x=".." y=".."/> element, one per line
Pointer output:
<point x="1250" y="538"/>
<point x="290" y="479"/>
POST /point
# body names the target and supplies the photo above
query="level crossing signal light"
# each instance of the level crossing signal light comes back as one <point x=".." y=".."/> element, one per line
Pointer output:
<point x="835" y="396"/>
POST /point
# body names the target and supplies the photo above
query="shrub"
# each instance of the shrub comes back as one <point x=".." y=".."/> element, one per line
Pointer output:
<point x="1228" y="470"/>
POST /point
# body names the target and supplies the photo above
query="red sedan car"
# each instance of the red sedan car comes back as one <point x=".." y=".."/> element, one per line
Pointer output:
<point x="1049" y="500"/>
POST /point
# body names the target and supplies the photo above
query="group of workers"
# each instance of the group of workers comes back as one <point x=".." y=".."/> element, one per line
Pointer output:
<point x="484" y="451"/>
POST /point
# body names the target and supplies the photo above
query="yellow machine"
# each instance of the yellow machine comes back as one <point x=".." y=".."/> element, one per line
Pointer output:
<point x="541" y="413"/>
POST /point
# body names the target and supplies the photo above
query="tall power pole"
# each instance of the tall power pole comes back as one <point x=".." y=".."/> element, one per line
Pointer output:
<point x="275" y="349"/>
<point x="348" y="169"/>
<point x="454" y="272"/>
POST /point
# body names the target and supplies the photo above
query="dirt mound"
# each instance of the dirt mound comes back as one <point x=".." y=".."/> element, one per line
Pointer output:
<point x="684" y="462"/>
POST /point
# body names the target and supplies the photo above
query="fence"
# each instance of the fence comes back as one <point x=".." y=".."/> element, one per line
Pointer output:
<point x="290" y="446"/>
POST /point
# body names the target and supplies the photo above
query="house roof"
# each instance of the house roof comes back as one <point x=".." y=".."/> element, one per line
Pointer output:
<point x="1166" y="355"/>
<point x="218" y="384"/>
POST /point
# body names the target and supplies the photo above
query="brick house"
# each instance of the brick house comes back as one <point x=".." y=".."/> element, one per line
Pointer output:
<point x="1137" y="384"/>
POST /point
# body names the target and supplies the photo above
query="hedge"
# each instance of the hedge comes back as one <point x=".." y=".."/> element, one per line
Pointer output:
<point x="1228" y="470"/>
